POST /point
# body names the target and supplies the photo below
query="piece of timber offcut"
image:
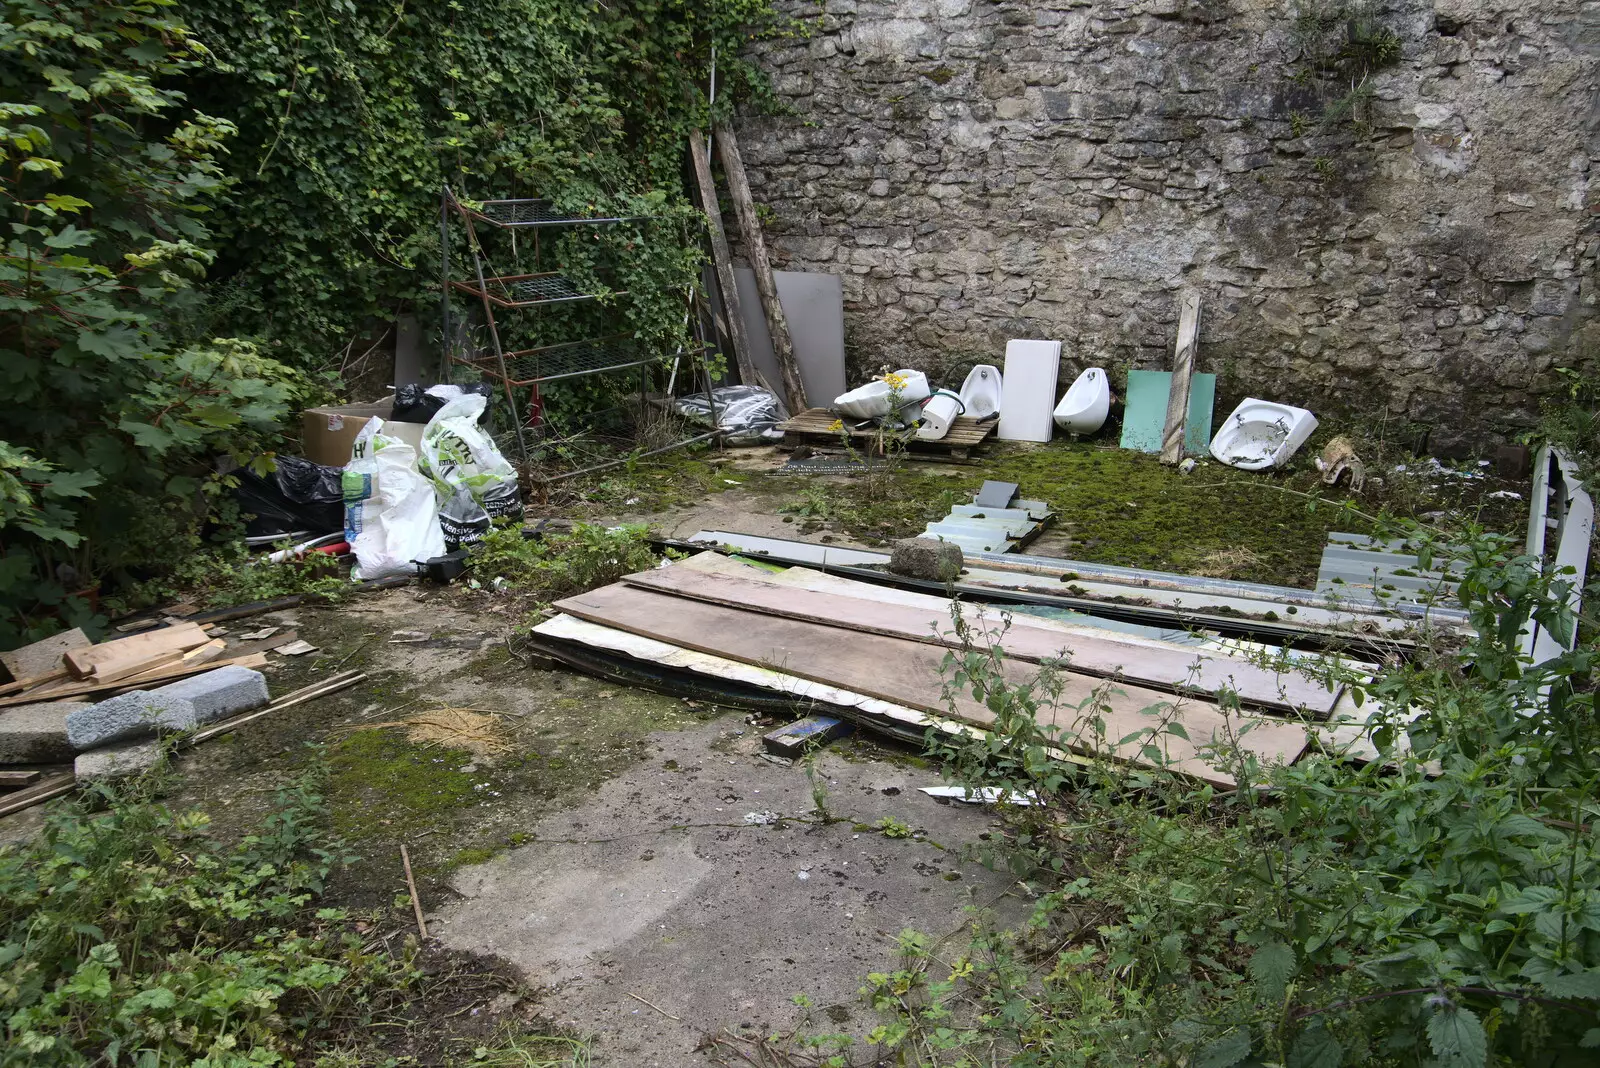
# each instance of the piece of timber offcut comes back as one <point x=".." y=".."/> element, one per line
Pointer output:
<point x="1182" y="377"/>
<point x="56" y="693"/>
<point x="909" y="673"/>
<point x="755" y="247"/>
<point x="112" y="659"/>
<point x="1144" y="663"/>
<point x="722" y="260"/>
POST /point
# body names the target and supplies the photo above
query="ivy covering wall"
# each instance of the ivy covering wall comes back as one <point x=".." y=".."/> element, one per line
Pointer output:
<point x="206" y="202"/>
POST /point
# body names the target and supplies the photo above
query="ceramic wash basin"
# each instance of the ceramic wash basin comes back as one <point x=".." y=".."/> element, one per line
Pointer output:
<point x="1261" y="434"/>
<point x="872" y="400"/>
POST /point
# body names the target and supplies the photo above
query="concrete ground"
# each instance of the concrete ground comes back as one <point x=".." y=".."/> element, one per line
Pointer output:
<point x="660" y="888"/>
<point x="622" y="863"/>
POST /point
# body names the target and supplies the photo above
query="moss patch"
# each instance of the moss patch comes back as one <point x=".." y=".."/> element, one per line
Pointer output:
<point x="1115" y="506"/>
<point x="379" y="779"/>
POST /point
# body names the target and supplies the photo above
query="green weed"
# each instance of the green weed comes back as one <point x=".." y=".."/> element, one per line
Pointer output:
<point x="561" y="564"/>
<point x="1440" y="906"/>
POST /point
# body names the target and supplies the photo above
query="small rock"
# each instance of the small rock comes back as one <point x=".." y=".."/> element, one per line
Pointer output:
<point x="927" y="558"/>
<point x="764" y="818"/>
<point x="1187" y="465"/>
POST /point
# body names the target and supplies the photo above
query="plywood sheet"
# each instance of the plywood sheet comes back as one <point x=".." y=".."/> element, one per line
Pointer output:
<point x="1145" y="663"/>
<point x="813" y="305"/>
<point x="1145" y="412"/>
<point x="908" y="673"/>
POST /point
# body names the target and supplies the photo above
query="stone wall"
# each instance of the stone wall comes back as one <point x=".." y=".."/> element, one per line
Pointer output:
<point x="1423" y="257"/>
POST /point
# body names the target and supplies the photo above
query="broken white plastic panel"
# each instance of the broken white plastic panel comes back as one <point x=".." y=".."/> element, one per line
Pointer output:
<point x="1087" y="403"/>
<point x="942" y="409"/>
<point x="873" y="400"/>
<point x="982" y="795"/>
<point x="1261" y="434"/>
<point x="1558" y="495"/>
<point x="981" y="391"/>
<point x="1028" y="393"/>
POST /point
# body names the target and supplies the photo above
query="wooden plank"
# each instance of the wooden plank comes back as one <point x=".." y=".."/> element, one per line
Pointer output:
<point x="722" y="259"/>
<point x="43" y="657"/>
<point x="1182" y="377"/>
<point x="13" y="779"/>
<point x="54" y="786"/>
<point x="113" y="656"/>
<point x="34" y="680"/>
<point x="908" y="673"/>
<point x="1177" y="669"/>
<point x="256" y="660"/>
<point x="755" y="247"/>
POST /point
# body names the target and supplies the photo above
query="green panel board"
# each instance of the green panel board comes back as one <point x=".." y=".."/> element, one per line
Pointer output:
<point x="1144" y="416"/>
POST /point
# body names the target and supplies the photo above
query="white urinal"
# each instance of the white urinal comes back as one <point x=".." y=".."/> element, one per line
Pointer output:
<point x="872" y="400"/>
<point x="1087" y="403"/>
<point x="981" y="392"/>
<point x="1260" y="434"/>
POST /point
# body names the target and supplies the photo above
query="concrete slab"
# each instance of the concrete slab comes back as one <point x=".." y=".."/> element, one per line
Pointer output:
<point x="116" y="762"/>
<point x="44" y="656"/>
<point x="37" y="734"/>
<point x="659" y="887"/>
<point x="135" y="714"/>
<point x="219" y="693"/>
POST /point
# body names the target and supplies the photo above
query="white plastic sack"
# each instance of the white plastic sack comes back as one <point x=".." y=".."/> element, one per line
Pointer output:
<point x="391" y="514"/>
<point x="458" y="455"/>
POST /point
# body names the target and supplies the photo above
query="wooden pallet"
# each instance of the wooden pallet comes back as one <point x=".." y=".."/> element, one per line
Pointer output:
<point x="814" y="426"/>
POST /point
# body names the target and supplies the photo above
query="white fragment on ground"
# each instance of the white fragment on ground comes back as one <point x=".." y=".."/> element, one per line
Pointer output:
<point x="764" y="818"/>
<point x="297" y="648"/>
<point x="982" y="795"/>
<point x="259" y="635"/>
<point x="1507" y="494"/>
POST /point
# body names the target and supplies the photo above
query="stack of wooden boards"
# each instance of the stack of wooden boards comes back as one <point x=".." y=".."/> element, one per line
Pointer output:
<point x="68" y="665"/>
<point x="875" y="653"/>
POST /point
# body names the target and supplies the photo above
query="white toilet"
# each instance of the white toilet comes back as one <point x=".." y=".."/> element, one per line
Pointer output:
<point x="981" y="392"/>
<point x="1260" y="434"/>
<point x="1087" y="403"/>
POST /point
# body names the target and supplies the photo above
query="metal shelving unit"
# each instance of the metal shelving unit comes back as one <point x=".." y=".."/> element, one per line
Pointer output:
<point x="530" y="368"/>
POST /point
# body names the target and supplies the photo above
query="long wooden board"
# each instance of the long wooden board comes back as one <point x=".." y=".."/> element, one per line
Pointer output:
<point x="908" y="673"/>
<point x="1182" y="670"/>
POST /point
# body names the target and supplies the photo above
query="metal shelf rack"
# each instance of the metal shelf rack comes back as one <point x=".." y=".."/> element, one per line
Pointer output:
<point x="528" y="369"/>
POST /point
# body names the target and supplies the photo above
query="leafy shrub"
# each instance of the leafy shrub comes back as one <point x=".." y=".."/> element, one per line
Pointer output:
<point x="561" y="564"/>
<point x="128" y="937"/>
<point x="1438" y="907"/>
<point x="115" y="405"/>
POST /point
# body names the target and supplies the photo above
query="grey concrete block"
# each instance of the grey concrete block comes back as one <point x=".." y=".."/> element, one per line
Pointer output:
<point x="37" y="734"/>
<point x="132" y="715"/>
<point x="223" y="692"/>
<point x="115" y="762"/>
<point x="927" y="558"/>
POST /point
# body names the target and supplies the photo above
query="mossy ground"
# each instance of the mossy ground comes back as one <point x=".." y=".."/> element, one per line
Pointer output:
<point x="1112" y="505"/>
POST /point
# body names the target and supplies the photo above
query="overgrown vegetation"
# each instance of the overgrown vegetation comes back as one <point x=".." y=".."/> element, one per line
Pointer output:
<point x="119" y="396"/>
<point x="214" y="205"/>
<point x="1438" y="907"/>
<point x="556" y="565"/>
<point x="130" y="937"/>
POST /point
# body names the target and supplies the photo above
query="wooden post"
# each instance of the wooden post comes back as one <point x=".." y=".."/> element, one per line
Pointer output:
<point x="744" y="206"/>
<point x="1182" y="377"/>
<point x="723" y="261"/>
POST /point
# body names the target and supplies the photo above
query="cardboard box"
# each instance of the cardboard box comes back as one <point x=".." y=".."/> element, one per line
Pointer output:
<point x="328" y="434"/>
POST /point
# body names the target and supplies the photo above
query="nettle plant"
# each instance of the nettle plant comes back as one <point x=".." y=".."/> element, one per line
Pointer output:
<point x="1437" y="907"/>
